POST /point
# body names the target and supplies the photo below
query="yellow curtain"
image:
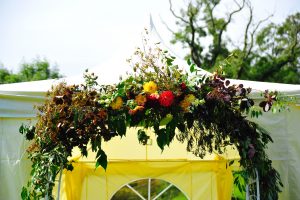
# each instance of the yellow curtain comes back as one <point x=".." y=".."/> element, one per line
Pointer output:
<point x="196" y="179"/>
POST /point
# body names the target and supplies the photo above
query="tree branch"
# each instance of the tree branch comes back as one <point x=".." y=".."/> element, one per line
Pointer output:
<point x="211" y="14"/>
<point x="174" y="14"/>
<point x="194" y="53"/>
<point x="169" y="29"/>
<point x="296" y="38"/>
<point x="240" y="7"/>
<point x="253" y="33"/>
<point x="247" y="51"/>
<point x="247" y="28"/>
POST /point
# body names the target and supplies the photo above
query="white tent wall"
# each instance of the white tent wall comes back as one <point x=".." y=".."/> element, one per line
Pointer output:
<point x="284" y="152"/>
<point x="14" y="167"/>
<point x="16" y="107"/>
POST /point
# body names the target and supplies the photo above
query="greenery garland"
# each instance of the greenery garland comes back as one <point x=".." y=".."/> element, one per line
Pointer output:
<point x="206" y="111"/>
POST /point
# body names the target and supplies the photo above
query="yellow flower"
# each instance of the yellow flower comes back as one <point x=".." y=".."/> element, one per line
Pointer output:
<point x="187" y="101"/>
<point x="150" y="87"/>
<point x="117" y="103"/>
<point x="140" y="99"/>
<point x="190" y="98"/>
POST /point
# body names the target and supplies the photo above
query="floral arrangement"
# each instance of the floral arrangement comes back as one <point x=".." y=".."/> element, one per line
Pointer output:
<point x="206" y="111"/>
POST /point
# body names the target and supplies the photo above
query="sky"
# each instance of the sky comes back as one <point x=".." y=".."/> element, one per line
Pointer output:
<point x="97" y="34"/>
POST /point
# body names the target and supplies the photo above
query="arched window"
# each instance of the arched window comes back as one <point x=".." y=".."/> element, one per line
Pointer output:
<point x="149" y="189"/>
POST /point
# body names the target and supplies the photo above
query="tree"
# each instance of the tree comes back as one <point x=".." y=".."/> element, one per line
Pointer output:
<point x="267" y="54"/>
<point x="39" y="69"/>
<point x="278" y="52"/>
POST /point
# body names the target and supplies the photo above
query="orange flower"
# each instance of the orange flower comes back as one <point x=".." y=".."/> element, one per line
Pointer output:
<point x="150" y="87"/>
<point x="187" y="101"/>
<point x="117" y="103"/>
<point x="136" y="109"/>
<point x="102" y="114"/>
<point x="185" y="105"/>
<point x="140" y="99"/>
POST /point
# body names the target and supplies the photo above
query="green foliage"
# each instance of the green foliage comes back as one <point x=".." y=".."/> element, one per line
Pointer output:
<point x="267" y="54"/>
<point x="239" y="190"/>
<point x="8" y="77"/>
<point x="39" y="69"/>
<point x="277" y="57"/>
<point x="28" y="131"/>
<point x="142" y="137"/>
<point x="207" y="112"/>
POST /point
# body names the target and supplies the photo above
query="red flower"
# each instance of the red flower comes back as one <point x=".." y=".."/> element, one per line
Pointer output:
<point x="183" y="86"/>
<point x="166" y="98"/>
<point x="153" y="97"/>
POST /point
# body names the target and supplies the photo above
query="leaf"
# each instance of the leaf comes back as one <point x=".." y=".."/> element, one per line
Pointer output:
<point x="121" y="127"/>
<point x="121" y="92"/>
<point x="24" y="193"/>
<point x="267" y="107"/>
<point x="262" y="104"/>
<point x="169" y="61"/>
<point x="166" y="120"/>
<point x="192" y="68"/>
<point x="142" y="137"/>
<point x="101" y="159"/>
<point x="69" y="167"/>
<point x="96" y="143"/>
<point x="227" y="82"/>
<point x="170" y="130"/>
<point x="148" y="112"/>
<point x="189" y="61"/>
<point x="83" y="151"/>
<point x="162" y="138"/>
<point x="21" y="129"/>
<point x="189" y="120"/>
<point x="30" y="132"/>
<point x="181" y="127"/>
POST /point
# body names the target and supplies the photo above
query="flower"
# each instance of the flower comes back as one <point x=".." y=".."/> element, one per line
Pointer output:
<point x="153" y="97"/>
<point x="183" y="86"/>
<point x="150" y="87"/>
<point x="185" y="105"/>
<point x="140" y="99"/>
<point x="187" y="101"/>
<point x="166" y="98"/>
<point x="117" y="103"/>
<point x="190" y="98"/>
<point x="136" y="109"/>
<point x="102" y="114"/>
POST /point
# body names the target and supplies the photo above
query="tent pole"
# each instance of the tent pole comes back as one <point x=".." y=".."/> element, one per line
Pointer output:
<point x="149" y="189"/>
<point x="59" y="182"/>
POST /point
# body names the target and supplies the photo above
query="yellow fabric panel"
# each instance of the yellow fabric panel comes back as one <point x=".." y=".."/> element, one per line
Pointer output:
<point x="197" y="179"/>
<point x="128" y="148"/>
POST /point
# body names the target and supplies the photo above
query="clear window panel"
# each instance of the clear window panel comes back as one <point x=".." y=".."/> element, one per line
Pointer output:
<point x="157" y="190"/>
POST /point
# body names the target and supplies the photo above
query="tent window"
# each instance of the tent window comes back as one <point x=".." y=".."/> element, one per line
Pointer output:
<point x="149" y="189"/>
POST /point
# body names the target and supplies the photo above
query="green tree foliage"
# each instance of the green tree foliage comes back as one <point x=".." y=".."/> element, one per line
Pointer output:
<point x="39" y="69"/>
<point x="270" y="53"/>
<point x="279" y="52"/>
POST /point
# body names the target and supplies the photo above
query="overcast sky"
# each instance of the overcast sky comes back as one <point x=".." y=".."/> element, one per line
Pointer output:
<point x="95" y="34"/>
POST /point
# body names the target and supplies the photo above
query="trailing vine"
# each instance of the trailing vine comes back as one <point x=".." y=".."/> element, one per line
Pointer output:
<point x="206" y="111"/>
